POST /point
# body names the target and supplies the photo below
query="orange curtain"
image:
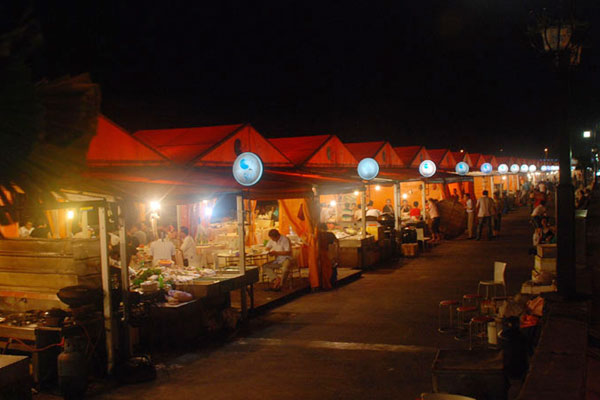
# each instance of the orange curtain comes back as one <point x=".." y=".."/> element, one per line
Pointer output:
<point x="297" y="214"/>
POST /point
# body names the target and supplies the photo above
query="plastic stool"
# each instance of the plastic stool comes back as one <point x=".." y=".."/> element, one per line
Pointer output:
<point x="450" y="305"/>
<point x="461" y="320"/>
<point x="478" y="327"/>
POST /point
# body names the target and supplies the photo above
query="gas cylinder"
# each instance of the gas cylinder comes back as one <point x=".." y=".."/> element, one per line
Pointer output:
<point x="72" y="368"/>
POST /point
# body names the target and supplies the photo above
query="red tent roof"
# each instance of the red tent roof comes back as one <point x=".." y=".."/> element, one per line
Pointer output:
<point x="315" y="151"/>
<point x="489" y="159"/>
<point x="458" y="156"/>
<point x="412" y="156"/>
<point x="442" y="158"/>
<point x="212" y="146"/>
<point x="474" y="158"/>
<point x="113" y="145"/>
<point x="381" y="151"/>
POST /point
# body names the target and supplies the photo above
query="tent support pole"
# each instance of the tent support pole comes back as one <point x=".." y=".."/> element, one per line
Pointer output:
<point x="107" y="305"/>
<point x="126" y="345"/>
<point x="363" y="212"/>
<point x="423" y="198"/>
<point x="178" y="210"/>
<point x="397" y="197"/>
<point x="242" y="250"/>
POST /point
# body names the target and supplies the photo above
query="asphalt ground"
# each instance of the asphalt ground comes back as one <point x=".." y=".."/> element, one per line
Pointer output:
<point x="374" y="338"/>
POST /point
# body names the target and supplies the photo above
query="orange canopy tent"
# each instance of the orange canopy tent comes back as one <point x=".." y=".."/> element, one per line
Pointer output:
<point x="442" y="158"/>
<point x="382" y="151"/>
<point x="412" y="156"/>
<point x="320" y="151"/>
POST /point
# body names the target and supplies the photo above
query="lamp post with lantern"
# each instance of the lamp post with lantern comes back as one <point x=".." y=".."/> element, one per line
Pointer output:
<point x="559" y="36"/>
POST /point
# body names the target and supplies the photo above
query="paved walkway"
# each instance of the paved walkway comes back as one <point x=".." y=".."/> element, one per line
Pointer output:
<point x="374" y="338"/>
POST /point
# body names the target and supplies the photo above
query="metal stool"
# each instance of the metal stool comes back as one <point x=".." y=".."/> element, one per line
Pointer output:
<point x="472" y="299"/>
<point x="450" y="304"/>
<point x="478" y="327"/>
<point x="461" y="320"/>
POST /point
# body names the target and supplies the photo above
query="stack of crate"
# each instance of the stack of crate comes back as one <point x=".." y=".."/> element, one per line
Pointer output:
<point x="544" y="267"/>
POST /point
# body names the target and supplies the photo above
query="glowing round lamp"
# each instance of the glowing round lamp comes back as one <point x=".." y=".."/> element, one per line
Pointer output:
<point x="462" y="168"/>
<point x="427" y="168"/>
<point x="503" y="168"/>
<point x="524" y="168"/>
<point x="486" y="168"/>
<point x="368" y="168"/>
<point x="247" y="169"/>
<point x="532" y="168"/>
<point x="544" y="168"/>
<point x="514" y="168"/>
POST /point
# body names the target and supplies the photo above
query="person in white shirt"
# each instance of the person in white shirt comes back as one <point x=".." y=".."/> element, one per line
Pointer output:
<point x="372" y="211"/>
<point x="162" y="249"/>
<point x="188" y="248"/>
<point x="25" y="230"/>
<point x="470" y="214"/>
<point x="280" y="247"/>
<point x="485" y="210"/>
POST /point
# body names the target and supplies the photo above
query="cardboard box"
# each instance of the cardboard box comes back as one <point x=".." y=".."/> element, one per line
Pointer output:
<point x="545" y="264"/>
<point x="546" y="250"/>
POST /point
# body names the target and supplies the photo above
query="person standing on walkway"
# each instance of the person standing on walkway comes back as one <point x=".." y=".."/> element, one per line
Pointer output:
<point x="470" y="214"/>
<point x="485" y="210"/>
<point x="434" y="214"/>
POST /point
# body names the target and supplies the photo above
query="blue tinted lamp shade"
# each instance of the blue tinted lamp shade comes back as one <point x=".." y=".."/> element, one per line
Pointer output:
<point x="368" y="169"/>
<point x="503" y="168"/>
<point x="427" y="168"/>
<point x="462" y="168"/>
<point x="486" y="168"/>
<point x="514" y="168"/>
<point x="247" y="169"/>
<point x="524" y="168"/>
<point x="532" y="168"/>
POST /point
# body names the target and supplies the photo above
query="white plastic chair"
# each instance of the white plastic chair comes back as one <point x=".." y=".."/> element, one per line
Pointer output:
<point x="499" y="269"/>
<point x="421" y="239"/>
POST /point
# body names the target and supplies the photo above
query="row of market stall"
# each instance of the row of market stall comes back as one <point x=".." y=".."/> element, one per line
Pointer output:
<point x="228" y="186"/>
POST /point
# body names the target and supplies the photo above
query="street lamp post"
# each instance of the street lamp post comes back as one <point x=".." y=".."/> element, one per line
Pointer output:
<point x="558" y="39"/>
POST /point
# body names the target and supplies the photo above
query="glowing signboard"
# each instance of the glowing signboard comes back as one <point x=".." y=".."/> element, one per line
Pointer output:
<point x="247" y="169"/>
<point x="368" y="168"/>
<point x="462" y="168"/>
<point x="427" y="168"/>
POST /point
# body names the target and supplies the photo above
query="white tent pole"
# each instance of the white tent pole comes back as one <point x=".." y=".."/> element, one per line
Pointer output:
<point x="363" y="212"/>
<point x="397" y="197"/>
<point x="107" y="305"/>
<point x="124" y="282"/>
<point x="242" y="251"/>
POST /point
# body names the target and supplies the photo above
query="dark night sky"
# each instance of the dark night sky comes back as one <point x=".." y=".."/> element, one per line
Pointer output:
<point x="438" y="73"/>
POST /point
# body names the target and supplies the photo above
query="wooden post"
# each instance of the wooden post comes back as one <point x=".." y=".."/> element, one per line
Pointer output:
<point x="242" y="251"/>
<point x="107" y="305"/>
<point x="178" y="211"/>
<point x="491" y="186"/>
<point x="125" y="346"/>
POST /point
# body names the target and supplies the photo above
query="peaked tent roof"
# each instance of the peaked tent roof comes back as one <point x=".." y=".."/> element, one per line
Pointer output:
<point x="489" y="159"/>
<point x="381" y="151"/>
<point x="458" y="156"/>
<point x="315" y="151"/>
<point x="113" y="145"/>
<point x="474" y="159"/>
<point x="442" y="158"/>
<point x="412" y="156"/>
<point x="213" y="145"/>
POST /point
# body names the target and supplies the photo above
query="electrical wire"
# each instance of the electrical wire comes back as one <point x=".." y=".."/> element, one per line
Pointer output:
<point x="34" y="349"/>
